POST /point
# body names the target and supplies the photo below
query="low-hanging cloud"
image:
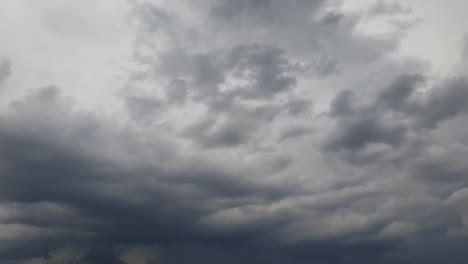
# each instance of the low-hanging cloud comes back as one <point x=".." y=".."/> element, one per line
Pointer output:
<point x="244" y="132"/>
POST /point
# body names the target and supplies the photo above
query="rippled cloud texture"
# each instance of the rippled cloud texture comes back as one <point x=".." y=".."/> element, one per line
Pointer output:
<point x="233" y="131"/>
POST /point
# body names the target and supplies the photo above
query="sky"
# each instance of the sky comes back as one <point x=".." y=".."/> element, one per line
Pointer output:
<point x="233" y="131"/>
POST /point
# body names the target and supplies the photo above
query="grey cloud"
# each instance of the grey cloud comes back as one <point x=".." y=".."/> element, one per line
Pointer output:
<point x="388" y="8"/>
<point x="261" y="74"/>
<point x="396" y="95"/>
<point x="357" y="126"/>
<point x="288" y="26"/>
<point x="447" y="172"/>
<point x="443" y="103"/>
<point x="102" y="255"/>
<point x="294" y="132"/>
<point x="428" y="110"/>
<point x="261" y="50"/>
<point x="294" y="30"/>
<point x="357" y="131"/>
<point x="380" y="122"/>
<point x="79" y="256"/>
<point x="297" y="106"/>
<point x="177" y="91"/>
<point x="268" y="67"/>
<point x="325" y="66"/>
<point x="115" y="205"/>
<point x="426" y="163"/>
<point x="111" y="207"/>
<point x="226" y="135"/>
<point x="144" y="108"/>
<point x="265" y="69"/>
<point x="439" y="103"/>
<point x="155" y="18"/>
<point x="343" y="103"/>
<point x="246" y="69"/>
<point x="262" y="10"/>
<point x="332" y="18"/>
<point x="125" y="206"/>
<point x="230" y="9"/>
<point x="5" y="70"/>
<point x="241" y="169"/>
<point x="205" y="71"/>
<point x="230" y="132"/>
<point x="40" y="97"/>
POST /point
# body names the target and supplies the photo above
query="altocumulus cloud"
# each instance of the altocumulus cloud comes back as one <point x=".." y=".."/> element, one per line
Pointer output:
<point x="240" y="131"/>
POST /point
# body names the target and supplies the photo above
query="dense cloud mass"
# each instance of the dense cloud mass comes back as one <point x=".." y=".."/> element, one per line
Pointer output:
<point x="233" y="131"/>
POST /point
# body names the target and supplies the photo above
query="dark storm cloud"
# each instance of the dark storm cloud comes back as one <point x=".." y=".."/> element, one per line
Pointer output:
<point x="443" y="103"/>
<point x="117" y="205"/>
<point x="185" y="212"/>
<point x="397" y="109"/>
<point x="110" y="203"/>
<point x="397" y="94"/>
<point x="70" y="255"/>
<point x="343" y="103"/>
<point x="358" y="126"/>
<point x="441" y="170"/>
<point x="358" y="131"/>
<point x="440" y="103"/>
<point x="238" y="167"/>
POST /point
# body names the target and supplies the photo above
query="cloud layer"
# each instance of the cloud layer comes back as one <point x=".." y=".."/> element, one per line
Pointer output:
<point x="249" y="131"/>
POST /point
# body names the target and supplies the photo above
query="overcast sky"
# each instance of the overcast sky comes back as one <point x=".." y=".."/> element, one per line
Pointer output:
<point x="233" y="131"/>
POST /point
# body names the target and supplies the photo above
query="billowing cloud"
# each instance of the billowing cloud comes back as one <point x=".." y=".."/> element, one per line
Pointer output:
<point x="232" y="131"/>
